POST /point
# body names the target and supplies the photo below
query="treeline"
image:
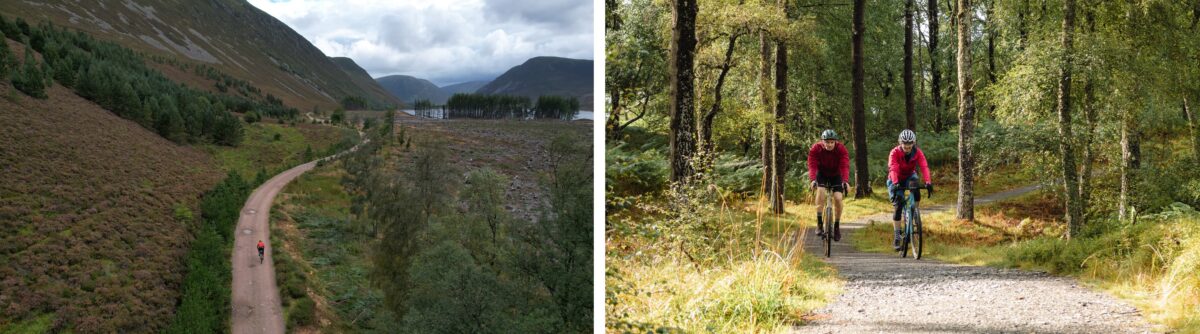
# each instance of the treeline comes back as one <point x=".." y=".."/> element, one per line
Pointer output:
<point x="204" y="307"/>
<point x="464" y="105"/>
<point x="424" y="108"/>
<point x="117" y="79"/>
<point x="551" y="106"/>
<point x="449" y="258"/>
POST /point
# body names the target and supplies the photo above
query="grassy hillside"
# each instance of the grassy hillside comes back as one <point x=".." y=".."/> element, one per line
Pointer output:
<point x="95" y="214"/>
<point x="546" y="76"/>
<point x="98" y="209"/>
<point x="410" y="89"/>
<point x="273" y="147"/>
<point x="231" y="36"/>
<point x="360" y="76"/>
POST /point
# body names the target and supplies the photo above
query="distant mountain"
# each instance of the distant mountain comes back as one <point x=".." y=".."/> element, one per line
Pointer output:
<point x="232" y="36"/>
<point x="465" y="87"/>
<point x="360" y="76"/>
<point x="546" y="76"/>
<point x="410" y="89"/>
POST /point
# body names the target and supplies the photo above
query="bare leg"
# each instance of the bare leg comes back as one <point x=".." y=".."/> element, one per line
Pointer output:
<point x="820" y="204"/>
<point x="837" y="206"/>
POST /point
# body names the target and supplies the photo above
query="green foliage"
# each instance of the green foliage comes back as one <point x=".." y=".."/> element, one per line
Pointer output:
<point x="462" y="105"/>
<point x="354" y="103"/>
<point x="117" y="79"/>
<point x="339" y="116"/>
<point x="422" y="105"/>
<point x="453" y="294"/>
<point x="301" y="313"/>
<point x="453" y="261"/>
<point x="204" y="307"/>
<point x="402" y="208"/>
<point x="251" y="117"/>
<point x="557" y="107"/>
<point x="628" y="172"/>
<point x="7" y="60"/>
<point x="183" y="214"/>
<point x="29" y="78"/>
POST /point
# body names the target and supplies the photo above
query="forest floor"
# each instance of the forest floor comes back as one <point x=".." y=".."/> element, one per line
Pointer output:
<point x="886" y="293"/>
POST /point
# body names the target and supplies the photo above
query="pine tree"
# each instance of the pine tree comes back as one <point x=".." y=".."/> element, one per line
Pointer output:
<point x="6" y="57"/>
<point x="29" y="79"/>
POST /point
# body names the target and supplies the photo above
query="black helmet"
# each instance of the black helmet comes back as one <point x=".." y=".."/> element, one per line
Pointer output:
<point x="828" y="134"/>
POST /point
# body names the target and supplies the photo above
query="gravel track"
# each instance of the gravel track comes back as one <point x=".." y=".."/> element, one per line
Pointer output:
<point x="886" y="293"/>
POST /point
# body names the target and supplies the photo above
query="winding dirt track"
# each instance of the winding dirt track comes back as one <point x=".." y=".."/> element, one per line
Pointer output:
<point x="888" y="294"/>
<point x="256" y="303"/>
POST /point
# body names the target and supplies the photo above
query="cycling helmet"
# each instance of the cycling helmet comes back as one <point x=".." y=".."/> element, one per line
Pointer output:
<point x="908" y="136"/>
<point x="828" y="134"/>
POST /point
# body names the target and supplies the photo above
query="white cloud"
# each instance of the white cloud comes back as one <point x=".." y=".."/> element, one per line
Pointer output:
<point x="443" y="41"/>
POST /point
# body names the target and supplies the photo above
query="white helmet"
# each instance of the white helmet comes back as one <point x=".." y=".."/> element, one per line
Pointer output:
<point x="908" y="136"/>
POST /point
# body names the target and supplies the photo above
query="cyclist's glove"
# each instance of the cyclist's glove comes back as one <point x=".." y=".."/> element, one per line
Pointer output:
<point x="930" y="187"/>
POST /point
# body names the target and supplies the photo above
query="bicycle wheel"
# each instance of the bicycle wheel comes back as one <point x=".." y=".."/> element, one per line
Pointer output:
<point x="828" y="229"/>
<point x="906" y="237"/>
<point x="918" y="243"/>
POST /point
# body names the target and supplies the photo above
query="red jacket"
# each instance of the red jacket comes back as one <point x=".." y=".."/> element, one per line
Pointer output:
<point x="260" y="245"/>
<point x="900" y="168"/>
<point x="828" y="162"/>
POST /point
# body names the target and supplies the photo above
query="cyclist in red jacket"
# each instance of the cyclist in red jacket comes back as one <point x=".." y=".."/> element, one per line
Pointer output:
<point x="829" y="167"/>
<point x="902" y="165"/>
<point x="261" y="247"/>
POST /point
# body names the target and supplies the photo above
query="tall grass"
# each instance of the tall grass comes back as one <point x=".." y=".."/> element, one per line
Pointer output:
<point x="754" y="277"/>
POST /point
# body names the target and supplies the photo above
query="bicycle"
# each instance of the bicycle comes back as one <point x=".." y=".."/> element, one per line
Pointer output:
<point x="260" y="256"/>
<point x="913" y="235"/>
<point x="827" y="237"/>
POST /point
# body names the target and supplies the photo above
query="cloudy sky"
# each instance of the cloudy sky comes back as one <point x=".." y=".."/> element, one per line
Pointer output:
<point x="445" y="42"/>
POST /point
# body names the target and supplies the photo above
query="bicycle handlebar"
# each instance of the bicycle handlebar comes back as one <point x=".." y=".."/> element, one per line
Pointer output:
<point x="930" y="188"/>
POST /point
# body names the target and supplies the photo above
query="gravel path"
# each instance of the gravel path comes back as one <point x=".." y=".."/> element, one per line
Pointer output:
<point x="256" y="304"/>
<point x="888" y="294"/>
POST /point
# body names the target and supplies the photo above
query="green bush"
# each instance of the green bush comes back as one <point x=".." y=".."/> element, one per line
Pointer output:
<point x="204" y="307"/>
<point x="630" y="172"/>
<point x="301" y="313"/>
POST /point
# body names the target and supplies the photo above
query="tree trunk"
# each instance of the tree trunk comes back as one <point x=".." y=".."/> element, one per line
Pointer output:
<point x="683" y="123"/>
<point x="1066" y="151"/>
<point x="1089" y="113"/>
<point x="1127" y="158"/>
<point x="935" y="82"/>
<point x="777" y="156"/>
<point x="991" y="50"/>
<point x="909" y="105"/>
<point x="1085" y="174"/>
<point x="1022" y="32"/>
<point x="1195" y="129"/>
<point x="766" y="89"/>
<point x="706" y="122"/>
<point x="859" y="118"/>
<point x="614" y="115"/>
<point x="966" y="116"/>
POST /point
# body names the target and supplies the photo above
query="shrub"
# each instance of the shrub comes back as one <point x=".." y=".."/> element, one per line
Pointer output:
<point x="301" y="313"/>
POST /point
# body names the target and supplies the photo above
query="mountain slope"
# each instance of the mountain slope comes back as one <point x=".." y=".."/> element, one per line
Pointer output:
<point x="465" y="87"/>
<point x="546" y="76"/>
<point x="230" y="35"/>
<point x="408" y="88"/>
<point x="360" y="76"/>
<point x="89" y="235"/>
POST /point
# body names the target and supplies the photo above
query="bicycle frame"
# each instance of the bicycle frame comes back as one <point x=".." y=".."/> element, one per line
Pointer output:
<point x="911" y="212"/>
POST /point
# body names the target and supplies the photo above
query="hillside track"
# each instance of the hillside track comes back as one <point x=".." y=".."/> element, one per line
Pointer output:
<point x="256" y="303"/>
